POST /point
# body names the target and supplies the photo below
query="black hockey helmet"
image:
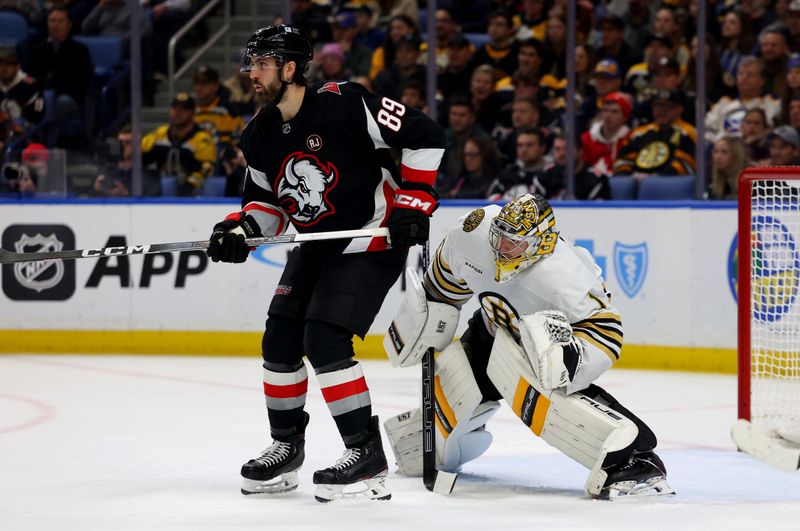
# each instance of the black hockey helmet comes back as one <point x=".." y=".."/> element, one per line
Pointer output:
<point x="283" y="41"/>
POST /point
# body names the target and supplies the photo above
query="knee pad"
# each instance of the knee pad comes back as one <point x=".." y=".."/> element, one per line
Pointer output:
<point x="326" y="343"/>
<point x="460" y="419"/>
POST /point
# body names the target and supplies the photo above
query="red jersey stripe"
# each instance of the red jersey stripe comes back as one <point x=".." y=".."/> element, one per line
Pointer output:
<point x="286" y="391"/>
<point x="352" y="388"/>
<point x="417" y="176"/>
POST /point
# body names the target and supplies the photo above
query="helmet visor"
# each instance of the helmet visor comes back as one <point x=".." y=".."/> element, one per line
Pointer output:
<point x="259" y="60"/>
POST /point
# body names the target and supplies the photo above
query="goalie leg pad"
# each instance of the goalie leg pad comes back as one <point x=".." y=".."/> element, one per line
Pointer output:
<point x="460" y="419"/>
<point x="419" y="325"/>
<point x="580" y="427"/>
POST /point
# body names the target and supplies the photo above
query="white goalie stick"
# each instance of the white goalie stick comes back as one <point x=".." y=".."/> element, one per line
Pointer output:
<point x="435" y="480"/>
<point x="775" y="450"/>
<point x="9" y="257"/>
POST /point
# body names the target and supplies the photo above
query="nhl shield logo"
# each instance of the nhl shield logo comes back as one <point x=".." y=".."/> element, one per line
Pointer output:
<point x="630" y="266"/>
<point x="51" y="280"/>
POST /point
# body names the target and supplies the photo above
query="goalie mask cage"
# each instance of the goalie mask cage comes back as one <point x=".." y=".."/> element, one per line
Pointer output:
<point x="769" y="300"/>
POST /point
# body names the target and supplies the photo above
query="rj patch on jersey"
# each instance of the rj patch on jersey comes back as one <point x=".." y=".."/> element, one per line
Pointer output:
<point x="474" y="219"/>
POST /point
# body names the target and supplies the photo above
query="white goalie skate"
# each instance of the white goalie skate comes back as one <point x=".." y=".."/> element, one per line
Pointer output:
<point x="644" y="475"/>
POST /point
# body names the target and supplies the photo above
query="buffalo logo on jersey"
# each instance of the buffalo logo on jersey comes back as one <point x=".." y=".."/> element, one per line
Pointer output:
<point x="474" y="219"/>
<point x="303" y="187"/>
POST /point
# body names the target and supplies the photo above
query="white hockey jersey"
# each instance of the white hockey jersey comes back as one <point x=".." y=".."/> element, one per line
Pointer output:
<point x="569" y="280"/>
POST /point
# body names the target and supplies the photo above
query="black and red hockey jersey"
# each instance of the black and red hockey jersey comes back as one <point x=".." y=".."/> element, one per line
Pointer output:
<point x="330" y="167"/>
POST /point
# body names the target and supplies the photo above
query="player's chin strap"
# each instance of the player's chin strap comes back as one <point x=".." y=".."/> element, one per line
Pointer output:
<point x="277" y="99"/>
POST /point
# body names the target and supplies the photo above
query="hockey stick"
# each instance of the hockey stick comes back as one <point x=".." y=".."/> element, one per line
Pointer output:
<point x="775" y="451"/>
<point x="9" y="257"/>
<point x="435" y="480"/>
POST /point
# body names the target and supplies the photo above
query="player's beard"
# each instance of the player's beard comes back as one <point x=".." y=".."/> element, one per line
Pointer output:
<point x="271" y="91"/>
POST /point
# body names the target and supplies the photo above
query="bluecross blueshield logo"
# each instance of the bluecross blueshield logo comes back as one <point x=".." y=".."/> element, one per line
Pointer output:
<point x="630" y="266"/>
<point x="774" y="265"/>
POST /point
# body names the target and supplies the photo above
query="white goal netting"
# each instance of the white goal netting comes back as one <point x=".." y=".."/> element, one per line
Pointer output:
<point x="775" y="307"/>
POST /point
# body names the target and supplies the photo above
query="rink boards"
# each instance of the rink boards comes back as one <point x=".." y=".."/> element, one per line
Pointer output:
<point x="669" y="266"/>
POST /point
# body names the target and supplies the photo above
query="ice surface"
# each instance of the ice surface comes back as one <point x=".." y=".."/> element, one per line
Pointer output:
<point x="138" y="442"/>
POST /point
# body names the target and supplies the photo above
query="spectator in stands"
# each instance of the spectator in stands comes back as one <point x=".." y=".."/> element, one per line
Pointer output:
<point x="357" y="56"/>
<point x="639" y="21"/>
<point x="584" y="68"/>
<point x="17" y="181"/>
<point x="793" y="26"/>
<point x="472" y="15"/>
<point x="725" y="117"/>
<point x="554" y="48"/>
<point x="404" y="68"/>
<point x="485" y="100"/>
<point x="480" y="163"/>
<point x="774" y="51"/>
<point x="784" y="146"/>
<point x="530" y="57"/>
<point x="714" y="84"/>
<point x="533" y="20"/>
<point x="738" y="41"/>
<point x="235" y="168"/>
<point x="166" y="18"/>
<point x="212" y="113"/>
<point x="588" y="185"/>
<point x="367" y="34"/>
<point x="759" y="16"/>
<point x="607" y="79"/>
<point x="605" y="138"/>
<point x="526" y="173"/>
<point x="181" y="148"/>
<point x="446" y="29"/>
<point x="728" y="159"/>
<point x="462" y="127"/>
<point x="666" y="76"/>
<point x="62" y="64"/>
<point x="791" y="87"/>
<point x="242" y="97"/>
<point x="755" y="130"/>
<point x="664" y="147"/>
<point x="639" y="78"/>
<point x="502" y="49"/>
<point x="525" y="115"/>
<point x="455" y="78"/>
<point x="330" y="63"/>
<point x="116" y="178"/>
<point x="313" y="18"/>
<point x="30" y="9"/>
<point x="399" y="27"/>
<point x="413" y="95"/>
<point x="613" y="45"/>
<point x="112" y="18"/>
<point x="666" y="23"/>
<point x="21" y="103"/>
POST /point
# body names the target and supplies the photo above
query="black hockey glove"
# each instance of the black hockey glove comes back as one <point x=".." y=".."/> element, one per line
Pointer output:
<point x="409" y="221"/>
<point x="227" y="244"/>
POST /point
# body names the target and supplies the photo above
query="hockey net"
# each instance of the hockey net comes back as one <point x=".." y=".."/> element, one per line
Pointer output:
<point x="769" y="301"/>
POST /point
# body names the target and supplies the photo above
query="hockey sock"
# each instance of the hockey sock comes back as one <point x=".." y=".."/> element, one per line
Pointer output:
<point x="347" y="395"/>
<point x="285" y="393"/>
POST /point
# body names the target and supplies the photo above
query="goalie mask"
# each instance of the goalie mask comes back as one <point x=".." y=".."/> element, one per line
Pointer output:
<point x="522" y="233"/>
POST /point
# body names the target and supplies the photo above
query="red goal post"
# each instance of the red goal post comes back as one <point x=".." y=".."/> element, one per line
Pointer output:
<point x="769" y="315"/>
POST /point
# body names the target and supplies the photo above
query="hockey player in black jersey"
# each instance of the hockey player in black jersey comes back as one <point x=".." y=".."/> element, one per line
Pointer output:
<point x="318" y="159"/>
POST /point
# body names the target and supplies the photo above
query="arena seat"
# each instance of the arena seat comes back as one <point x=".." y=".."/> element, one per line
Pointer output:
<point x="169" y="186"/>
<point x="667" y="187"/>
<point x="13" y="28"/>
<point x="622" y="187"/>
<point x="214" y="186"/>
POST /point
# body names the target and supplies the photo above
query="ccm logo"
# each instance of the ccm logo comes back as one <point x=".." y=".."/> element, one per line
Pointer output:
<point x="412" y="202"/>
<point x="117" y="251"/>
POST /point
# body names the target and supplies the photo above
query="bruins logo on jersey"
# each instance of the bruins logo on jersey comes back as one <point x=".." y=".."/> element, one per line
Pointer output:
<point x="474" y="219"/>
<point x="653" y="155"/>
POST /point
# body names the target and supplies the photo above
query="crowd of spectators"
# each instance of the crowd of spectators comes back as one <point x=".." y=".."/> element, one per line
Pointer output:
<point x="501" y="88"/>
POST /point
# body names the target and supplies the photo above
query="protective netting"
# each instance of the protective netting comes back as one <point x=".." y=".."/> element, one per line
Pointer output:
<point x="775" y="308"/>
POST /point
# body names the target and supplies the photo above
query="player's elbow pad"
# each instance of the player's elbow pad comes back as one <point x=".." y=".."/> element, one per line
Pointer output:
<point x="419" y="325"/>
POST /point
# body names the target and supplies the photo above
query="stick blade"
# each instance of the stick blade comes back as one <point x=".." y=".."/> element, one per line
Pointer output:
<point x="444" y="482"/>
<point x="774" y="451"/>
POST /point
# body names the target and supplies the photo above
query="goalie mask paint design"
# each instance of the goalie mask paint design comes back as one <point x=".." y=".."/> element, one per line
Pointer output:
<point x="522" y="233"/>
<point x="303" y="187"/>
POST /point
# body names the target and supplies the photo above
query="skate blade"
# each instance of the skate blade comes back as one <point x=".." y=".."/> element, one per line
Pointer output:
<point x="655" y="486"/>
<point x="370" y="489"/>
<point x="286" y="482"/>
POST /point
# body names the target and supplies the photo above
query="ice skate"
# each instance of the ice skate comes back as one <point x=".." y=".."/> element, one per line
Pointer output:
<point x="276" y="469"/>
<point x="643" y="475"/>
<point x="359" y="473"/>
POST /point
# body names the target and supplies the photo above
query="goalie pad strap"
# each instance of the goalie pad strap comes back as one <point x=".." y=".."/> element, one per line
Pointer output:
<point x="577" y="425"/>
<point x="419" y="325"/>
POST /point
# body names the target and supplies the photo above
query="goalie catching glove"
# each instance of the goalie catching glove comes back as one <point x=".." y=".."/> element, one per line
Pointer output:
<point x="552" y="350"/>
<point x="227" y="244"/>
<point x="409" y="221"/>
